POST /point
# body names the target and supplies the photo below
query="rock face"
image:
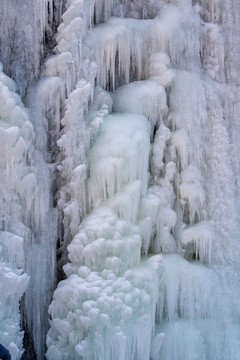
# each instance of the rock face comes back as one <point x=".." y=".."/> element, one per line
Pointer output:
<point x="119" y="179"/>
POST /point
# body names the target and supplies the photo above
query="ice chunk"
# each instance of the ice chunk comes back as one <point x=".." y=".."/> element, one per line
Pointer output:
<point x="192" y="193"/>
<point x="11" y="249"/>
<point x="187" y="290"/>
<point x="120" y="155"/>
<point x="145" y="97"/>
<point x="200" y="236"/>
<point x="163" y="134"/>
<point x="180" y="141"/>
<point x="119" y="41"/>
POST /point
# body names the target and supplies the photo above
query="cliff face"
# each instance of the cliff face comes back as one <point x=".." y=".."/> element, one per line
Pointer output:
<point x="120" y="176"/>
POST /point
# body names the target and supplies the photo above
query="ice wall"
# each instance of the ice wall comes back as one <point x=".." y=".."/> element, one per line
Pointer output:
<point x="18" y="186"/>
<point x="22" y="46"/>
<point x="127" y="160"/>
<point x="28" y="221"/>
<point x="164" y="61"/>
<point x="27" y="34"/>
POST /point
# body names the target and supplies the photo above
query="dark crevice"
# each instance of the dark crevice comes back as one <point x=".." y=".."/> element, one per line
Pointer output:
<point x="51" y="30"/>
<point x="28" y="344"/>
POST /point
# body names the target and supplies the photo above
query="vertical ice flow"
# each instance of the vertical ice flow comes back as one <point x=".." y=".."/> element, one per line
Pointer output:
<point x="154" y="68"/>
<point x="128" y="161"/>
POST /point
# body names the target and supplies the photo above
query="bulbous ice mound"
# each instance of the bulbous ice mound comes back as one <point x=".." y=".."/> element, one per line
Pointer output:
<point x="106" y="305"/>
<point x="119" y="156"/>
<point x="99" y="315"/>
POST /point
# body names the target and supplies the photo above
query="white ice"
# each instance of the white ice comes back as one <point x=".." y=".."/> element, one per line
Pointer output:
<point x="129" y="156"/>
<point x="150" y="188"/>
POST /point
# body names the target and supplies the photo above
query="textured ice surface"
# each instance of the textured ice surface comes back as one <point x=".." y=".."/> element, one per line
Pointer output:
<point x="105" y="296"/>
<point x="144" y="97"/>
<point x="18" y="184"/>
<point x="99" y="315"/>
<point x="26" y="218"/>
<point x="24" y="23"/>
<point x="14" y="282"/>
<point x="165" y="68"/>
<point x="124" y="189"/>
<point x="119" y="156"/>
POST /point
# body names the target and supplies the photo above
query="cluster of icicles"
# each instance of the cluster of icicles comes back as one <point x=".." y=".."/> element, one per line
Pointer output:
<point x="118" y="301"/>
<point x="141" y="158"/>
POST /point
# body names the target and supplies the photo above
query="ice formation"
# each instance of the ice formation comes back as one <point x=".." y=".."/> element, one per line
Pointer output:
<point x="18" y="184"/>
<point x="120" y="179"/>
<point x="25" y="23"/>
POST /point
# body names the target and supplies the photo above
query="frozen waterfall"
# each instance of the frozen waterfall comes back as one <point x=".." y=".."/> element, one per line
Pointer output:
<point x="120" y="179"/>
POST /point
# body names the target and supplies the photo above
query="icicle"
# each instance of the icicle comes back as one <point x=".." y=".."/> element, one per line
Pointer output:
<point x="200" y="236"/>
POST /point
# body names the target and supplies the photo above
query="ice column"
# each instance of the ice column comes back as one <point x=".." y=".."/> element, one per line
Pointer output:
<point x="18" y="186"/>
<point x="112" y="309"/>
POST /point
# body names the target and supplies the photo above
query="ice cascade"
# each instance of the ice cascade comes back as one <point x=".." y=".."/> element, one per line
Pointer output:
<point x="148" y="264"/>
<point x="120" y="176"/>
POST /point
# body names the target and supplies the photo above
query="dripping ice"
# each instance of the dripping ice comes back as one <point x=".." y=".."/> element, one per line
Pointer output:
<point x="126" y="160"/>
<point x="165" y="211"/>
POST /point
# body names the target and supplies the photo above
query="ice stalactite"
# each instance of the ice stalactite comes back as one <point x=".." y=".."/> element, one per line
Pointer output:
<point x="73" y="66"/>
